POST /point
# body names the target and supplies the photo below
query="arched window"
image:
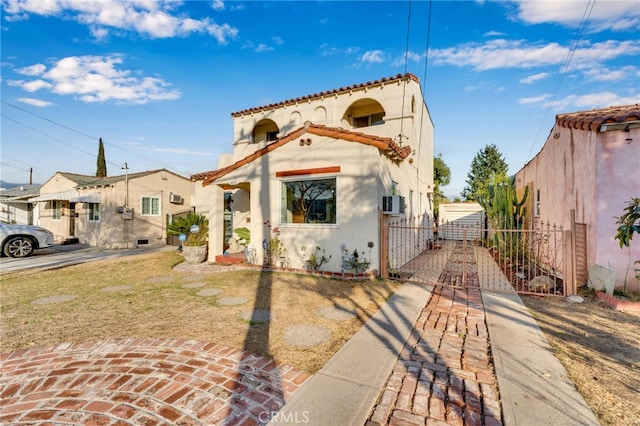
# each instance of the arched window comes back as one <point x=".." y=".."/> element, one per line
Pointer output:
<point x="364" y="113"/>
<point x="265" y="131"/>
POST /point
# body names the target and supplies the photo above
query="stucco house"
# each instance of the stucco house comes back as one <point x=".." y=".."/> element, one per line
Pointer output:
<point x="15" y="206"/>
<point x="318" y="171"/>
<point x="113" y="212"/>
<point x="590" y="165"/>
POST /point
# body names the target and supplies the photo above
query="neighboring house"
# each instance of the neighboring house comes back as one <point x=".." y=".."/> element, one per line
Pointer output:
<point x="590" y="164"/>
<point x="113" y="212"/>
<point x="313" y="171"/>
<point x="15" y="206"/>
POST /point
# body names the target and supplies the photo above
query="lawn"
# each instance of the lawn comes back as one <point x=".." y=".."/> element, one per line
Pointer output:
<point x="142" y="296"/>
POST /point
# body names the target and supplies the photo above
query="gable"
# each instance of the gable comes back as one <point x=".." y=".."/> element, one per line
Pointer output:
<point x="387" y="146"/>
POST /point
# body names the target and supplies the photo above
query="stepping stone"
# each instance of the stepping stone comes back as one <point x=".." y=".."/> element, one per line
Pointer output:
<point x="53" y="299"/>
<point x="209" y="292"/>
<point x="196" y="277"/>
<point x="116" y="288"/>
<point x="232" y="301"/>
<point x="337" y="313"/>
<point x="163" y="279"/>
<point x="257" y="316"/>
<point x="194" y="285"/>
<point x="306" y="336"/>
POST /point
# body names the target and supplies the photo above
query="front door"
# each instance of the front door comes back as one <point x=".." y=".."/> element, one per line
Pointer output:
<point x="72" y="219"/>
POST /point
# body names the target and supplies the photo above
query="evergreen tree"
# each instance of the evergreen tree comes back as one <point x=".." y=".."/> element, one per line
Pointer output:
<point x="488" y="167"/>
<point x="101" y="171"/>
<point x="441" y="177"/>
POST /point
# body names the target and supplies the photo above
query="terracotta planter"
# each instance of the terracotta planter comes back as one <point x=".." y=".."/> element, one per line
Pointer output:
<point x="194" y="254"/>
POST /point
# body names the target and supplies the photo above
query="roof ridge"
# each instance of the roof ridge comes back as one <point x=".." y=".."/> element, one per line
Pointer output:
<point x="327" y="92"/>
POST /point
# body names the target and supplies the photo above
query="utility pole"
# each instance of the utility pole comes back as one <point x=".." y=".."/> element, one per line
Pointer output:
<point x="125" y="167"/>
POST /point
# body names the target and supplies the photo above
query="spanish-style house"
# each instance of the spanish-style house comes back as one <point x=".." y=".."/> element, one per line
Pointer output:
<point x="122" y="211"/>
<point x="589" y="167"/>
<point x="15" y="206"/>
<point x="318" y="171"/>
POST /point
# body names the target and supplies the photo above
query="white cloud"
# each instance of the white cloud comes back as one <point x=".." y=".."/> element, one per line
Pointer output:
<point x="277" y="40"/>
<point x="534" y="100"/>
<point x="263" y="48"/>
<point x="494" y="34"/>
<point x="150" y="18"/>
<point x="373" y="56"/>
<point x="594" y="100"/>
<point x="500" y="54"/>
<point x="582" y="102"/>
<point x="606" y="74"/>
<point x="97" y="79"/>
<point x="217" y="5"/>
<point x="35" y="102"/>
<point x="32" y="70"/>
<point x="409" y="57"/>
<point x="534" y="77"/>
<point x="603" y="15"/>
<point x="328" y="50"/>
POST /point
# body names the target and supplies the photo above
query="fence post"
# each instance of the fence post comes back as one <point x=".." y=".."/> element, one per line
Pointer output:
<point x="572" y="288"/>
<point x="384" y="246"/>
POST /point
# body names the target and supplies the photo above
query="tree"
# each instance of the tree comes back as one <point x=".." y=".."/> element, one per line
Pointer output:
<point x="487" y="168"/>
<point x="441" y="177"/>
<point x="101" y="171"/>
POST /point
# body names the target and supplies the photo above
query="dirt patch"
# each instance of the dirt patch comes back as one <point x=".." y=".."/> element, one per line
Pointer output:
<point x="157" y="304"/>
<point x="600" y="348"/>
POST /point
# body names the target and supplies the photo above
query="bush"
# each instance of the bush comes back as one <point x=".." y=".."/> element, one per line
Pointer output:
<point x="183" y="224"/>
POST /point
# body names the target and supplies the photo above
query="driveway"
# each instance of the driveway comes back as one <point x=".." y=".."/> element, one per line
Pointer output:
<point x="61" y="255"/>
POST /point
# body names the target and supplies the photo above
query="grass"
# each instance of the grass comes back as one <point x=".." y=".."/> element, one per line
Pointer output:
<point x="153" y="302"/>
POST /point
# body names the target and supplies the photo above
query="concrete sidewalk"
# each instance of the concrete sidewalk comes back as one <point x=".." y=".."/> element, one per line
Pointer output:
<point x="533" y="386"/>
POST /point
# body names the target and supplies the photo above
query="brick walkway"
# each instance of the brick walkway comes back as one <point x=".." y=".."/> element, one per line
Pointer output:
<point x="444" y="375"/>
<point x="142" y="382"/>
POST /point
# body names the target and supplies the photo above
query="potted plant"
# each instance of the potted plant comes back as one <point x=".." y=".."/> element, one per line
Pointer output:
<point x="629" y="224"/>
<point x="193" y="232"/>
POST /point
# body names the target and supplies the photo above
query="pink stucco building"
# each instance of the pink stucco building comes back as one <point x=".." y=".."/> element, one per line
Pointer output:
<point x="590" y="164"/>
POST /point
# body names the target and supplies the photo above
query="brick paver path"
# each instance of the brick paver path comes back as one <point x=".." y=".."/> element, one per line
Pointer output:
<point x="142" y="381"/>
<point x="445" y="375"/>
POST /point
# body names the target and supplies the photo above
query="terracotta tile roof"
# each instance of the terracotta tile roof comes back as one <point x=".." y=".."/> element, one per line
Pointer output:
<point x="388" y="146"/>
<point x="326" y="93"/>
<point x="593" y="119"/>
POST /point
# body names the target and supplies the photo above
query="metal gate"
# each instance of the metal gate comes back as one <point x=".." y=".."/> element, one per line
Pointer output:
<point x="527" y="261"/>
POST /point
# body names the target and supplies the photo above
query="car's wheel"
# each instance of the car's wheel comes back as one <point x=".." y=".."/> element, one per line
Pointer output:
<point x="19" y="247"/>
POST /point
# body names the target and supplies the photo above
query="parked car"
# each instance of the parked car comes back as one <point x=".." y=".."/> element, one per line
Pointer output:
<point x="23" y="240"/>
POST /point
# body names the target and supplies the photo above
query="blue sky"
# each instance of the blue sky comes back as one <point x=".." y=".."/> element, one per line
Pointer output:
<point x="158" y="80"/>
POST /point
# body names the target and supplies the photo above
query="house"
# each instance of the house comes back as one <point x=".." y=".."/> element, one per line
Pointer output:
<point x="113" y="212"/>
<point x="313" y="171"/>
<point x="589" y="167"/>
<point x="15" y="206"/>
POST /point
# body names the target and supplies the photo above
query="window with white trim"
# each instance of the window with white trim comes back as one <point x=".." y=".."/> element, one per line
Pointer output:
<point x="150" y="206"/>
<point x="94" y="212"/>
<point x="56" y="209"/>
<point x="309" y="201"/>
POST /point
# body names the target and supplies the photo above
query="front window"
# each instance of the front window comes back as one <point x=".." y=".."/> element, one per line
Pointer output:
<point x="94" y="212"/>
<point x="56" y="207"/>
<point x="151" y="206"/>
<point x="309" y="201"/>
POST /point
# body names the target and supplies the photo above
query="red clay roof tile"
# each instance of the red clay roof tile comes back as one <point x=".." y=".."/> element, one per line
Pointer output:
<point x="388" y="146"/>
<point x="593" y="119"/>
<point x="325" y="93"/>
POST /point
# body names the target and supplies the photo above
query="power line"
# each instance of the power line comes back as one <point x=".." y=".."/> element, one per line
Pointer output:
<point x="565" y="67"/>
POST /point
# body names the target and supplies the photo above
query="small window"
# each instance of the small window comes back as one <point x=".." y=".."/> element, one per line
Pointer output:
<point x="94" y="212"/>
<point x="369" y="120"/>
<point x="150" y="206"/>
<point x="272" y="136"/>
<point x="56" y="207"/>
<point x="309" y="201"/>
<point x="537" y="201"/>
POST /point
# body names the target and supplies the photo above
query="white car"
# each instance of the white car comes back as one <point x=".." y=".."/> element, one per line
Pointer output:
<point x="23" y="240"/>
